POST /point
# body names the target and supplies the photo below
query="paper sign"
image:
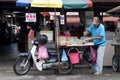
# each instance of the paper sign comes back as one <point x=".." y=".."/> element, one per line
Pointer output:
<point x="62" y="19"/>
<point x="30" y="17"/>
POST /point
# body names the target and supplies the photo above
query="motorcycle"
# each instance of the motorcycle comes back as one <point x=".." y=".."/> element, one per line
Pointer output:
<point x="25" y="61"/>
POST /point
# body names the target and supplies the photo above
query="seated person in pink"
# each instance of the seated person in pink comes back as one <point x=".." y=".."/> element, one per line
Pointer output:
<point x="67" y="31"/>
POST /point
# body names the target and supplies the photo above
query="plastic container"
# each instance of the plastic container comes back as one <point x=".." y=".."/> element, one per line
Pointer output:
<point x="74" y="56"/>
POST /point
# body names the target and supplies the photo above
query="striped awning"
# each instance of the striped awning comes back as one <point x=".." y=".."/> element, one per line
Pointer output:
<point x="66" y="4"/>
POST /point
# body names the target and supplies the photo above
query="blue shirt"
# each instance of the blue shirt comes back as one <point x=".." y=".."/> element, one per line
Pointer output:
<point x="96" y="32"/>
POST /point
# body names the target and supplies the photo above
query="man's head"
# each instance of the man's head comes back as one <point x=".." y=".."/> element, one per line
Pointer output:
<point x="96" y="21"/>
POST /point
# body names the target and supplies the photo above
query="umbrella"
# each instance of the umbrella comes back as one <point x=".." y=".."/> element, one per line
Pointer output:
<point x="66" y="4"/>
<point x="23" y="3"/>
<point x="47" y="3"/>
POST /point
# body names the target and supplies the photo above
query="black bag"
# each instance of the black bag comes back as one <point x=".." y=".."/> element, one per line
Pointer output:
<point x="87" y="55"/>
<point x="95" y="47"/>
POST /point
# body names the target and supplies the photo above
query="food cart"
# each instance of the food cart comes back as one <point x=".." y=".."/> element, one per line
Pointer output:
<point x="60" y="5"/>
<point x="76" y="49"/>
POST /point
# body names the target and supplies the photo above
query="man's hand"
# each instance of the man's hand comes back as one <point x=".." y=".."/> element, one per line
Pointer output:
<point x="95" y="38"/>
<point x="85" y="33"/>
<point x="90" y="39"/>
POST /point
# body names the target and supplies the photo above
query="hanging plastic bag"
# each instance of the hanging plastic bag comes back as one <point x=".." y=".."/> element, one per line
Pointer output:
<point x="94" y="54"/>
<point x="31" y="34"/>
<point x="64" y="57"/>
<point x="87" y="55"/>
<point x="67" y="33"/>
<point x="90" y="55"/>
<point x="42" y="52"/>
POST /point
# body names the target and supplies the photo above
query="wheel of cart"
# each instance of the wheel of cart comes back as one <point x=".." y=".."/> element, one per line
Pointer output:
<point x="73" y="58"/>
<point x="66" y="67"/>
<point x="115" y="63"/>
<point x="116" y="57"/>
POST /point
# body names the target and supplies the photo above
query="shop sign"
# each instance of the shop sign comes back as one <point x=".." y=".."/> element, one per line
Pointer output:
<point x="62" y="19"/>
<point x="30" y="17"/>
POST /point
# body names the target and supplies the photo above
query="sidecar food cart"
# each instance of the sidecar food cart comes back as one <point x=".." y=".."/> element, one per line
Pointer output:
<point x="62" y="42"/>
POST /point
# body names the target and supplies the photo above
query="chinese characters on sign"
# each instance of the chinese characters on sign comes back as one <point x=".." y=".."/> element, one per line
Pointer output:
<point x="30" y="17"/>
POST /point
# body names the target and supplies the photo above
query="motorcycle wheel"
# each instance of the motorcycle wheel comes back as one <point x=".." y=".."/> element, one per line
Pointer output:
<point x="65" y="68"/>
<point x="21" y="66"/>
<point x="115" y="64"/>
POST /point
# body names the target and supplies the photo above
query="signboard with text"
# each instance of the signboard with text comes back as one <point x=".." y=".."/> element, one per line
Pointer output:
<point x="30" y="17"/>
<point x="62" y="19"/>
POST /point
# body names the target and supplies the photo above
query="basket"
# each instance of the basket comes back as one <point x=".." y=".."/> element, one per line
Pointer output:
<point x="74" y="56"/>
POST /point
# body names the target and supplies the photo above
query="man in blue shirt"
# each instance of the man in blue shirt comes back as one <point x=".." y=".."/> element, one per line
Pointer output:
<point x="97" y="31"/>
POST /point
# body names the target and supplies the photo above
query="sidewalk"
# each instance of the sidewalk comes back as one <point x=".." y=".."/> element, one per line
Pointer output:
<point x="79" y="73"/>
<point x="49" y="75"/>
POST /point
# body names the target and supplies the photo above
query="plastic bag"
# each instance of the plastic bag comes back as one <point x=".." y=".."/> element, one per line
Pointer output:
<point x="42" y="52"/>
<point x="90" y="55"/>
<point x="87" y="55"/>
<point x="94" y="54"/>
<point x="64" y="57"/>
<point x="31" y="34"/>
<point x="67" y="33"/>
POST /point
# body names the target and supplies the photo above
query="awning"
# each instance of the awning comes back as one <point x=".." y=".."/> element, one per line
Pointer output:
<point x="114" y="9"/>
<point x="110" y="18"/>
<point x="66" y="4"/>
